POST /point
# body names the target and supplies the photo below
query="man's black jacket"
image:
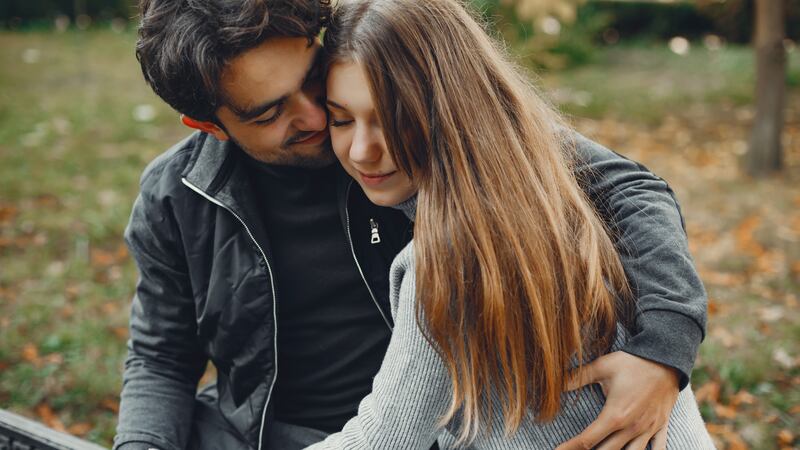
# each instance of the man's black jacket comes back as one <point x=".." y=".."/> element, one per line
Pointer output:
<point x="206" y="290"/>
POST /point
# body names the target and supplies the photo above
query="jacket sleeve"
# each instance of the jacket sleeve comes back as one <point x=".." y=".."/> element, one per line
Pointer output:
<point x="649" y="233"/>
<point x="165" y="359"/>
<point x="409" y="394"/>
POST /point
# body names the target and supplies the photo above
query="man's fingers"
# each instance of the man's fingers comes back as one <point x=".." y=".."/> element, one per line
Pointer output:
<point x="620" y="440"/>
<point x="596" y="432"/>
<point x="660" y="439"/>
<point x="588" y="374"/>
<point x="581" y="378"/>
<point x="640" y="443"/>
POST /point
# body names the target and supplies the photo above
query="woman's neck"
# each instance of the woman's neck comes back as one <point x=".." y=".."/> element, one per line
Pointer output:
<point x="409" y="207"/>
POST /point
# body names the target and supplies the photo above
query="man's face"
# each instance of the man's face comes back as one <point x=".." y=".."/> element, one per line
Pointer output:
<point x="274" y="103"/>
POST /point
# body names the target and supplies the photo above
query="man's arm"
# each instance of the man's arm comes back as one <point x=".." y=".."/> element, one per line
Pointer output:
<point x="642" y="382"/>
<point x="165" y="360"/>
<point x="649" y="234"/>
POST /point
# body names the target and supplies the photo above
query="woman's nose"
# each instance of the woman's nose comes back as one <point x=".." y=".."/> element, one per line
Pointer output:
<point x="365" y="147"/>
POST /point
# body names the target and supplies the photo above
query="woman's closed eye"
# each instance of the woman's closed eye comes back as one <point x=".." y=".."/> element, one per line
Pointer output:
<point x="340" y="123"/>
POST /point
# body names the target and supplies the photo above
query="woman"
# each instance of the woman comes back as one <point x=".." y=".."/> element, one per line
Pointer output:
<point x="511" y="281"/>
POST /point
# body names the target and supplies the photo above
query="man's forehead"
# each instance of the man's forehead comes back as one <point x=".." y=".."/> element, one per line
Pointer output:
<point x="273" y="69"/>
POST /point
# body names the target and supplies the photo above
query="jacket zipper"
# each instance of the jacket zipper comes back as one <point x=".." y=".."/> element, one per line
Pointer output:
<point x="355" y="258"/>
<point x="272" y="286"/>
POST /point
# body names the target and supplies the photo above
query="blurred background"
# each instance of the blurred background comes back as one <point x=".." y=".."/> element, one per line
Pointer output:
<point x="670" y="84"/>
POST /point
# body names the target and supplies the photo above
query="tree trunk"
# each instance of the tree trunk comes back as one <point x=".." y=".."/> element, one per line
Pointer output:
<point x="764" y="154"/>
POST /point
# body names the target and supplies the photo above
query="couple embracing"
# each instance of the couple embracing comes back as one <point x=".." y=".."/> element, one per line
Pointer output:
<point x="471" y="273"/>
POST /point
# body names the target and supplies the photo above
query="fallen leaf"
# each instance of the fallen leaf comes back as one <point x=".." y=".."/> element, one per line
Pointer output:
<point x="80" y="429"/>
<point x="783" y="358"/>
<point x="111" y="405"/>
<point x="713" y="307"/>
<point x="725" y="337"/>
<point x="49" y="417"/>
<point x="743" y="398"/>
<point x="726" y="412"/>
<point x="7" y="213"/>
<point x="30" y="354"/>
<point x="735" y="442"/>
<point x="708" y="392"/>
<point x="785" y="437"/>
<point x="718" y="429"/>
<point x="771" y="313"/>
<point x="120" y="332"/>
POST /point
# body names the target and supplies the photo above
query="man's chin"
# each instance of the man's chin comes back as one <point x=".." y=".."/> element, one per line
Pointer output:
<point x="315" y="157"/>
<point x="311" y="161"/>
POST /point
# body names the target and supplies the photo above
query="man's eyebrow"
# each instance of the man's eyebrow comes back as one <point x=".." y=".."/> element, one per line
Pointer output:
<point x="246" y="115"/>
<point x="335" y="105"/>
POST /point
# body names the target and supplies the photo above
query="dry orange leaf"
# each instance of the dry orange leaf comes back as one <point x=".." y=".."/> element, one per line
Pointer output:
<point x="7" y="212"/>
<point x="713" y="307"/>
<point x="785" y="437"/>
<point x="718" y="429"/>
<point x="111" y="405"/>
<point x="80" y="429"/>
<point x="735" y="442"/>
<point x="30" y="353"/>
<point x="743" y="398"/>
<point x="101" y="257"/>
<point x="49" y="417"/>
<point x="120" y="332"/>
<point x="726" y="412"/>
<point x="708" y="392"/>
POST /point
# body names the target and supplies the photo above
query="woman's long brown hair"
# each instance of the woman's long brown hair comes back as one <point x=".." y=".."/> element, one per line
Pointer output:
<point x="517" y="278"/>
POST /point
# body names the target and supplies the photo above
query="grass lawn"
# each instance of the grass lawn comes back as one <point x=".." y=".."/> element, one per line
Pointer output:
<point x="78" y="125"/>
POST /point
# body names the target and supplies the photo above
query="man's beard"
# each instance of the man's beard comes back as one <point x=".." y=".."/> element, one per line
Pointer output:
<point x="286" y="156"/>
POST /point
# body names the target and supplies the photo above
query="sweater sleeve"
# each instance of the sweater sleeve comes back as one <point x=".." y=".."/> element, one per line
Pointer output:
<point x="409" y="394"/>
<point x="648" y="231"/>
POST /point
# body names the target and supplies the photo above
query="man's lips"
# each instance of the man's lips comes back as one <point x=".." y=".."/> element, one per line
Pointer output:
<point x="316" y="137"/>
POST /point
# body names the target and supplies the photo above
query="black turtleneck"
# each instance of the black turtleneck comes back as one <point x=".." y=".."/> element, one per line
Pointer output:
<point x="331" y="336"/>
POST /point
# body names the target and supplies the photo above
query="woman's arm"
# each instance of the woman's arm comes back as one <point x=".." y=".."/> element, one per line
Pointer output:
<point x="411" y="390"/>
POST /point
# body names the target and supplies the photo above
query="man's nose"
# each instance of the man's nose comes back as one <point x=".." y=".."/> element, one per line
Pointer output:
<point x="309" y="114"/>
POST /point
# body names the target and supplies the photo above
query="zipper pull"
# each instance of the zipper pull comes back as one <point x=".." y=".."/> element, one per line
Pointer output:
<point x="375" y="238"/>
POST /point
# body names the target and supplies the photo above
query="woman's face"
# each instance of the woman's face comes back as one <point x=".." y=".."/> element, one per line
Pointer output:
<point x="357" y="137"/>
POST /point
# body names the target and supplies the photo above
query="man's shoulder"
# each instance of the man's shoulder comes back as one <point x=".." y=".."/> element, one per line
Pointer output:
<point x="588" y="151"/>
<point x="165" y="171"/>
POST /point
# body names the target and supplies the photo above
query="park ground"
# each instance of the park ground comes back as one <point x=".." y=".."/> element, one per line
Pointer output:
<point x="78" y="125"/>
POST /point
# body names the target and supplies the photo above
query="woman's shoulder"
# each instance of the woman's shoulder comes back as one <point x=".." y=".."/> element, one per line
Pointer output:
<point x="401" y="275"/>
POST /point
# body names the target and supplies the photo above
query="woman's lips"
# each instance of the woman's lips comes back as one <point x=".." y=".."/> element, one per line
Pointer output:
<point x="375" y="179"/>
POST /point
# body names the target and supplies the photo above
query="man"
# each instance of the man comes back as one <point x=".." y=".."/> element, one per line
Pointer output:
<point x="256" y="252"/>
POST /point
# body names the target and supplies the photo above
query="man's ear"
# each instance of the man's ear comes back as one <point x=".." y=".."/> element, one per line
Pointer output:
<point x="207" y="127"/>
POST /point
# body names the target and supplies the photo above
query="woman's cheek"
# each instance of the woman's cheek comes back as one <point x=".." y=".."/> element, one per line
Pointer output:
<point x="340" y="144"/>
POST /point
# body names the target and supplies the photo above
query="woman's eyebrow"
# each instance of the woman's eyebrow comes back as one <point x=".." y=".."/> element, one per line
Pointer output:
<point x="335" y="105"/>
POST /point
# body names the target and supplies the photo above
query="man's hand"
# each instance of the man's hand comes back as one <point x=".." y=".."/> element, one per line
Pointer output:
<point x="639" y="394"/>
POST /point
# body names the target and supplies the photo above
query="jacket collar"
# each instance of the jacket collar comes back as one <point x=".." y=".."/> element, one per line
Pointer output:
<point x="208" y="159"/>
<point x="218" y="169"/>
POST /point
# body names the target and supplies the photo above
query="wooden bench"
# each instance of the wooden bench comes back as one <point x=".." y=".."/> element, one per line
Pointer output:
<point x="21" y="433"/>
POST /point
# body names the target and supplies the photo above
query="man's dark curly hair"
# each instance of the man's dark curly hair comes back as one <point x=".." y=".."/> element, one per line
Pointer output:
<point x="184" y="45"/>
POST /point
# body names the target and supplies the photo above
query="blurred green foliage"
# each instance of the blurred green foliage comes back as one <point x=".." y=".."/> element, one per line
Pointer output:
<point x="553" y="40"/>
<point x="27" y="13"/>
<point x="542" y="33"/>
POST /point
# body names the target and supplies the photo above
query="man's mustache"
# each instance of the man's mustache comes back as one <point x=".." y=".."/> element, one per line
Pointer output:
<point x="298" y="137"/>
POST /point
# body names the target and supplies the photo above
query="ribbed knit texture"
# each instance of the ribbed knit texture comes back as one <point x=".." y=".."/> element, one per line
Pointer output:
<point x="412" y="390"/>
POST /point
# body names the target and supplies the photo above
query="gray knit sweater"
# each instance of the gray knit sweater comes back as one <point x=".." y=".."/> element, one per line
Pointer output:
<point x="412" y="391"/>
